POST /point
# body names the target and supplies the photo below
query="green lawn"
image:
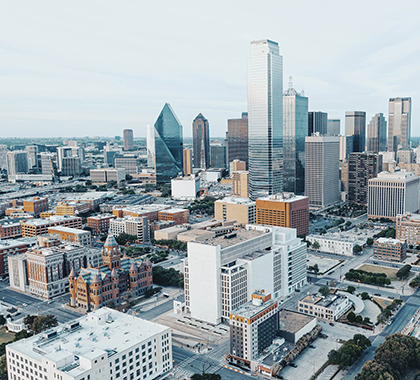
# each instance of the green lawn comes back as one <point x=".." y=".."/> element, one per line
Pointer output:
<point x="5" y="336"/>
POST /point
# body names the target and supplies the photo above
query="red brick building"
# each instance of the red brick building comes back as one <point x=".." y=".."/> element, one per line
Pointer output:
<point x="178" y="215"/>
<point x="100" y="223"/>
<point x="36" y="205"/>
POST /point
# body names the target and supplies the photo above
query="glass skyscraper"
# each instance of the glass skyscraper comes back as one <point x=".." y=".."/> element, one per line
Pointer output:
<point x="356" y="126"/>
<point x="168" y="145"/>
<point x="399" y="124"/>
<point x="201" y="142"/>
<point x="265" y="119"/>
<point x="295" y="128"/>
<point x="376" y="134"/>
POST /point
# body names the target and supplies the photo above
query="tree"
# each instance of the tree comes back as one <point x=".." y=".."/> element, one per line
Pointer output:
<point x="351" y="289"/>
<point x="316" y="269"/>
<point x="315" y="245"/>
<point x="3" y="368"/>
<point x="38" y="323"/>
<point x="366" y="320"/>
<point x="167" y="277"/>
<point x="357" y="249"/>
<point x="415" y="283"/>
<point x="349" y="352"/>
<point x="351" y="317"/>
<point x="365" y="296"/>
<point x="324" y="290"/>
<point x="403" y="272"/>
<point x="2" y="320"/>
<point x="369" y="241"/>
<point x="359" y="319"/>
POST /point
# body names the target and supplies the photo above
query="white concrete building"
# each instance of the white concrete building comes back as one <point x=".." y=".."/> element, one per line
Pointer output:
<point x="211" y="175"/>
<point x="138" y="227"/>
<point x="222" y="273"/>
<point x="329" y="308"/>
<point x="336" y="244"/>
<point x="185" y="188"/>
<point x="391" y="194"/>
<point x="107" y="175"/>
<point x="102" y="345"/>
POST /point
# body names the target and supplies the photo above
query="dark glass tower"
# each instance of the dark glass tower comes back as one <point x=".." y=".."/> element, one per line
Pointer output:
<point x="168" y="145"/>
<point x="237" y="139"/>
<point x="201" y="142"/>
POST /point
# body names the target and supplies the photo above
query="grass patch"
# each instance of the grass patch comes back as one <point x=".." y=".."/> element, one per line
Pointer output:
<point x="6" y="336"/>
<point x="390" y="272"/>
<point x="382" y="302"/>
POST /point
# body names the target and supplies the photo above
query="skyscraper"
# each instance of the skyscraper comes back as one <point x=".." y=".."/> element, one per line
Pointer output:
<point x="265" y="119"/>
<point x="362" y="167"/>
<point x="218" y="156"/>
<point x="376" y="134"/>
<point x="17" y="162"/>
<point x="128" y="139"/>
<point x="333" y="127"/>
<point x="295" y="127"/>
<point x="150" y="141"/>
<point x="399" y="124"/>
<point x="317" y="122"/>
<point x="201" y="142"/>
<point x="356" y="126"/>
<point x="168" y="145"/>
<point x="237" y="139"/>
<point x="322" y="170"/>
<point x="187" y="162"/>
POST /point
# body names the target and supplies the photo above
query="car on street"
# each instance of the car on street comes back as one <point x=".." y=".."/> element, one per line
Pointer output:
<point x="293" y="365"/>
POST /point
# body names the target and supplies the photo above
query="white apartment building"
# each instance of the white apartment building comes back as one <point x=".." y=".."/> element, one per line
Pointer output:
<point x="336" y="244"/>
<point x="391" y="194"/>
<point x="73" y="235"/>
<point x="222" y="273"/>
<point x="185" y="188"/>
<point x="132" y="226"/>
<point x="107" y="175"/>
<point x="330" y="307"/>
<point x="102" y="345"/>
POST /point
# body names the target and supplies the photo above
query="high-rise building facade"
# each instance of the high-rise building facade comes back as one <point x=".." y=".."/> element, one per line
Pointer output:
<point x="128" y="139"/>
<point x="295" y="127"/>
<point x="376" y="134"/>
<point x="201" y="142"/>
<point x="168" y="145"/>
<point x="356" y="127"/>
<point x="17" y="162"/>
<point x="322" y="170"/>
<point x="346" y="147"/>
<point x="218" y="156"/>
<point x="32" y="151"/>
<point x="393" y="194"/>
<point x="399" y="123"/>
<point x="333" y="127"/>
<point x="265" y="118"/>
<point x="240" y="209"/>
<point x="63" y="152"/>
<point x="150" y="142"/>
<point x="362" y="167"/>
<point x="240" y="184"/>
<point x="3" y="156"/>
<point x="187" y="161"/>
<point x="317" y="122"/>
<point x="408" y="228"/>
<point x="237" y="139"/>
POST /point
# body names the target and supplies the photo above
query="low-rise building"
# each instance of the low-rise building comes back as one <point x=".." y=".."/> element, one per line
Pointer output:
<point x="72" y="235"/>
<point x="104" y="344"/>
<point x="334" y="243"/>
<point x="390" y="249"/>
<point x="185" y="188"/>
<point x="71" y="208"/>
<point x="35" y="205"/>
<point x="138" y="227"/>
<point x="11" y="227"/>
<point x="100" y="223"/>
<point x="240" y="209"/>
<point x="150" y="211"/>
<point x="178" y="215"/>
<point x="13" y="247"/>
<point x="92" y="198"/>
<point x="294" y="325"/>
<point x="408" y="228"/>
<point x="36" y="227"/>
<point x="100" y="176"/>
<point x="329" y="308"/>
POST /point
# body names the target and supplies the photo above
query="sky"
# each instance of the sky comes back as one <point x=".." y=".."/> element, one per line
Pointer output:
<point x="92" y="68"/>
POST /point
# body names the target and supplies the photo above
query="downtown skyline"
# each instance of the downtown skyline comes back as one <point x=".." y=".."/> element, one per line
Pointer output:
<point x="81" y="76"/>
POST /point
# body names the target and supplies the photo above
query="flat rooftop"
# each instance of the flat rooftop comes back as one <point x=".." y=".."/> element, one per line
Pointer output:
<point x="69" y="230"/>
<point x="11" y="243"/>
<point x="174" y="210"/>
<point x="389" y="241"/>
<point x="292" y="321"/>
<point x="186" y="178"/>
<point x="238" y="201"/>
<point x="101" y="216"/>
<point x="101" y="332"/>
<point x="330" y="300"/>
<point x="283" y="197"/>
<point x="233" y="238"/>
<point x="89" y="196"/>
<point x="51" y="219"/>
<point x="249" y="309"/>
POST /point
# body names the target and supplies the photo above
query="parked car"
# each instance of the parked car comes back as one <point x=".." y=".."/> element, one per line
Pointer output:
<point x="312" y="346"/>
<point x="293" y="365"/>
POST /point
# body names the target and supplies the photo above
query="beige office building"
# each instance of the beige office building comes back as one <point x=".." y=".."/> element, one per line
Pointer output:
<point x="240" y="184"/>
<point x="187" y="158"/>
<point x="240" y="209"/>
<point x="408" y="228"/>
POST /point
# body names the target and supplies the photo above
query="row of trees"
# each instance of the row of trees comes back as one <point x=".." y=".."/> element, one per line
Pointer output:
<point x="388" y="311"/>
<point x="388" y="233"/>
<point x="415" y="283"/>
<point x="167" y="277"/>
<point x="349" y="352"/>
<point x="204" y="206"/>
<point x="171" y="244"/>
<point x="403" y="273"/>
<point x="357" y="318"/>
<point x="392" y="359"/>
<point x="364" y="277"/>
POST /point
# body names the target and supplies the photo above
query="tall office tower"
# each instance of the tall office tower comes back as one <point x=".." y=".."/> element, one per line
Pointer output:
<point x="218" y="156"/>
<point x="17" y="162"/>
<point x="322" y="170"/>
<point x="47" y="166"/>
<point x="201" y="142"/>
<point x="63" y="152"/>
<point x="393" y="194"/>
<point x="237" y="139"/>
<point x="376" y="134"/>
<point x="70" y="166"/>
<point x="333" y="127"/>
<point x="295" y="127"/>
<point x="346" y="147"/>
<point x="399" y="123"/>
<point x="168" y="145"/>
<point x="356" y="126"/>
<point x="317" y="122"/>
<point x="3" y="156"/>
<point x="240" y="184"/>
<point x="187" y="161"/>
<point x="265" y="119"/>
<point x="362" y="167"/>
<point x="32" y="151"/>
<point x="150" y="142"/>
<point x="128" y="139"/>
